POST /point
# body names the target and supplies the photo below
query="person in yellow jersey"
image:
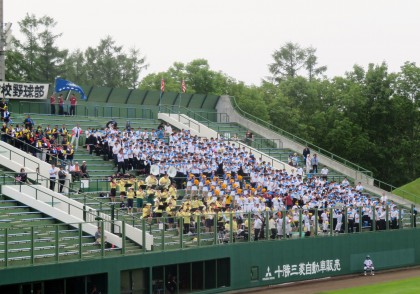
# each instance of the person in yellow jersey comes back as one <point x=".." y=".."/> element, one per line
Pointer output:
<point x="170" y="212"/>
<point x="121" y="188"/>
<point x="165" y="182"/>
<point x="150" y="195"/>
<point x="172" y="191"/>
<point x="228" y="201"/>
<point x="146" y="213"/>
<point x="130" y="200"/>
<point x="196" y="203"/>
<point x="140" y="194"/>
<point x="151" y="181"/>
<point x="130" y="182"/>
<point x="186" y="215"/>
<point x="113" y="192"/>
<point x="157" y="211"/>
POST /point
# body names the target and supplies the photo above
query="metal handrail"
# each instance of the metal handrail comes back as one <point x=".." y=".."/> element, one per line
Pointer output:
<point x="24" y="157"/>
<point x="83" y="110"/>
<point x="299" y="140"/>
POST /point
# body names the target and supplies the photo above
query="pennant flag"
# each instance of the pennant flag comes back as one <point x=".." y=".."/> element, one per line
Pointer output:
<point x="184" y="88"/>
<point x="162" y="86"/>
<point x="64" y="85"/>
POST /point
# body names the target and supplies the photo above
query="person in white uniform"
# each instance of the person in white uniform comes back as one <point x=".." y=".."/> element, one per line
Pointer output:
<point x="368" y="266"/>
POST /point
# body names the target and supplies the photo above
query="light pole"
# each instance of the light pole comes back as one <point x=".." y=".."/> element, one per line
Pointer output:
<point x="2" y="41"/>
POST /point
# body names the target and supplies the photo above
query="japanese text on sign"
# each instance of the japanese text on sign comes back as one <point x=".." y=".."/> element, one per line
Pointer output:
<point x="14" y="90"/>
<point x="302" y="269"/>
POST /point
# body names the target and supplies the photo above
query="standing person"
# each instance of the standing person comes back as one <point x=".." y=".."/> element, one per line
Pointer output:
<point x="368" y="266"/>
<point x="73" y="103"/>
<point x="257" y="227"/>
<point x="306" y="152"/>
<point x="52" y="103"/>
<point x="62" y="174"/>
<point x="308" y="163"/>
<point x="113" y="185"/>
<point x="53" y="176"/>
<point x="315" y="163"/>
<point x="6" y="115"/>
<point x="120" y="161"/>
<point x="60" y="104"/>
<point x="324" y="173"/>
<point x="130" y="200"/>
<point x="75" y="135"/>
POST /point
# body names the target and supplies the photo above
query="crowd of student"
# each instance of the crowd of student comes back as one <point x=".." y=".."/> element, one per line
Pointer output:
<point x="223" y="177"/>
<point x="218" y="176"/>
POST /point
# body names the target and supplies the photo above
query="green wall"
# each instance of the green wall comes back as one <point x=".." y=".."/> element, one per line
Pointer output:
<point x="254" y="264"/>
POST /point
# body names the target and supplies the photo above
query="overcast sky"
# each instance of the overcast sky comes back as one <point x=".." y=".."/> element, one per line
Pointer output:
<point x="238" y="37"/>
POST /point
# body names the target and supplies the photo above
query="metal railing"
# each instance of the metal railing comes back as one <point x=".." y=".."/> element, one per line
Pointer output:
<point x="15" y="156"/>
<point x="106" y="111"/>
<point x="53" y="243"/>
<point x="299" y="140"/>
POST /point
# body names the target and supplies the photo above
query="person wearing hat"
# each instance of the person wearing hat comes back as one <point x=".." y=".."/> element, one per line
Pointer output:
<point x="368" y="266"/>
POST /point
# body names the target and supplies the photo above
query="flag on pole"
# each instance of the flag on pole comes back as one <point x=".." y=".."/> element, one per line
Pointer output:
<point x="64" y="85"/>
<point x="183" y="87"/>
<point x="162" y="85"/>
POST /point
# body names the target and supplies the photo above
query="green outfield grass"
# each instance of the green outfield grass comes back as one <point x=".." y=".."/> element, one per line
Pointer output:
<point x="413" y="188"/>
<point x="406" y="286"/>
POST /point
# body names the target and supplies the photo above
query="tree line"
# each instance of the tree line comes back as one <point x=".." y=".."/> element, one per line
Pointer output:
<point x="370" y="116"/>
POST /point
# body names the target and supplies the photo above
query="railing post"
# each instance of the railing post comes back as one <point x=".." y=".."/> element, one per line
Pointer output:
<point x="346" y="220"/>
<point x="249" y="227"/>
<point x="56" y="243"/>
<point x="112" y="218"/>
<point x="80" y="240"/>
<point x="102" y="239"/>
<point x="143" y="232"/>
<point x="373" y="218"/>
<point x="230" y="228"/>
<point x="331" y="221"/>
<point x="163" y="235"/>
<point x="412" y="216"/>
<point x="123" y="237"/>
<point x="6" y="247"/>
<point x="267" y="230"/>
<point x="181" y="230"/>
<point x="300" y="223"/>
<point x="32" y="245"/>
<point x="199" y="231"/>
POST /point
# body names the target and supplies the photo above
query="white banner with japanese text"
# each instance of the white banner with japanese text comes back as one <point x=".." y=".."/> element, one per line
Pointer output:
<point x="17" y="90"/>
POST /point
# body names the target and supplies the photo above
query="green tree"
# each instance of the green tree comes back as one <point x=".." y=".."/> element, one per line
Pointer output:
<point x="291" y="58"/>
<point x="108" y="65"/>
<point x="42" y="59"/>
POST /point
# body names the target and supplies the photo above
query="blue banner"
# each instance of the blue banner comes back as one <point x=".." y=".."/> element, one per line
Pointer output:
<point x="64" y="85"/>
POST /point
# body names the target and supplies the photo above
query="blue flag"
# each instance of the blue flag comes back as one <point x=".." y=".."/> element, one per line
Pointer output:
<point x="64" y="85"/>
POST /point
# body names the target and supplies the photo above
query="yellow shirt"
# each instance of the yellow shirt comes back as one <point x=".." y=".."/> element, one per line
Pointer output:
<point x="130" y="194"/>
<point x="140" y="194"/>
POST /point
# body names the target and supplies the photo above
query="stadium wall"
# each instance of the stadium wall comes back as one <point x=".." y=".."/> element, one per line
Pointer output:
<point x="248" y="265"/>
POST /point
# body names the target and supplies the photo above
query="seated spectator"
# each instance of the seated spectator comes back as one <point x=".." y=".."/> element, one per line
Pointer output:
<point x="84" y="170"/>
<point x="76" y="171"/>
<point x="22" y="177"/>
